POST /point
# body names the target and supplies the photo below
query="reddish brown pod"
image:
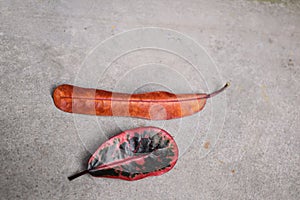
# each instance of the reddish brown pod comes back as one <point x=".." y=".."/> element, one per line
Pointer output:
<point x="133" y="154"/>
<point x="159" y="105"/>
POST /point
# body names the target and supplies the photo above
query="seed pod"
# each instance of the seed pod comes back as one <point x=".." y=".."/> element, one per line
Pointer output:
<point x="133" y="154"/>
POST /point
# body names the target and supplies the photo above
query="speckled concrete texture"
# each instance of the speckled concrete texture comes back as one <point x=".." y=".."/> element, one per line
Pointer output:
<point x="254" y="44"/>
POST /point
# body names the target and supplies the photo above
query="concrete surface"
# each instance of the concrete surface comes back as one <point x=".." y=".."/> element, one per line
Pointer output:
<point x="255" y="44"/>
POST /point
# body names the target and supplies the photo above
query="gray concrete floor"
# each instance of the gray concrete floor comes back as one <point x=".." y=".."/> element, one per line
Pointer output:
<point x="255" y="44"/>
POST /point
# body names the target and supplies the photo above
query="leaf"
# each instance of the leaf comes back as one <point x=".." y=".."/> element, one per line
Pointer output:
<point x="134" y="154"/>
<point x="157" y="105"/>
